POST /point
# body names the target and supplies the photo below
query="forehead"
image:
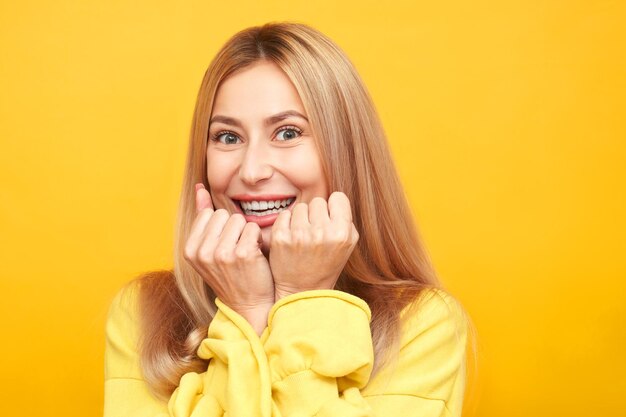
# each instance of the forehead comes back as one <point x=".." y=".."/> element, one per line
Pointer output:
<point x="257" y="91"/>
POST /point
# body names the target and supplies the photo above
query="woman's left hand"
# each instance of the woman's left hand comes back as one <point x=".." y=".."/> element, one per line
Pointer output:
<point x="311" y="244"/>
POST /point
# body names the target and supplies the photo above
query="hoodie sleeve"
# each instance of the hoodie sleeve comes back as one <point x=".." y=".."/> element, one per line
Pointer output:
<point x="319" y="349"/>
<point x="236" y="382"/>
<point x="315" y="358"/>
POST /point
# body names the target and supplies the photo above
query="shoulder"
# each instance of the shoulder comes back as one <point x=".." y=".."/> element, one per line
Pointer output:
<point x="123" y="329"/>
<point x="129" y="302"/>
<point x="152" y="286"/>
<point x="124" y="303"/>
<point x="122" y="334"/>
<point x="429" y="366"/>
<point x="435" y="314"/>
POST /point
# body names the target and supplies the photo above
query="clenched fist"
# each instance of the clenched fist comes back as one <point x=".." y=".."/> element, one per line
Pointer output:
<point x="226" y="251"/>
<point x="310" y="246"/>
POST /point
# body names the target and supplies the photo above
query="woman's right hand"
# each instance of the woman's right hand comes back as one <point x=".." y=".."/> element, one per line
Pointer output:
<point x="226" y="251"/>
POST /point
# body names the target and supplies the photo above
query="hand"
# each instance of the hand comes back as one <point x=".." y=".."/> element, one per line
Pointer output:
<point x="310" y="246"/>
<point x="226" y="251"/>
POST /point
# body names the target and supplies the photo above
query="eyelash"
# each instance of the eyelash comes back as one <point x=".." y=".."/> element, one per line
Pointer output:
<point x="215" y="137"/>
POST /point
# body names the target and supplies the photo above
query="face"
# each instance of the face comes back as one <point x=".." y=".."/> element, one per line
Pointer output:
<point x="261" y="155"/>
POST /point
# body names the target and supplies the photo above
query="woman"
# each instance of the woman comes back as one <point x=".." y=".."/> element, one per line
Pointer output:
<point x="299" y="285"/>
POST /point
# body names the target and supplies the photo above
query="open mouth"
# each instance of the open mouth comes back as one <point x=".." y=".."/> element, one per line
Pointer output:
<point x="264" y="207"/>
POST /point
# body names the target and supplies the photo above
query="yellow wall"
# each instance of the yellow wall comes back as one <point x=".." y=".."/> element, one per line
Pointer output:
<point x="506" y="117"/>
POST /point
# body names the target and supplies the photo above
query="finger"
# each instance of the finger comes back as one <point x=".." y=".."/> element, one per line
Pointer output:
<point x="251" y="237"/>
<point x="208" y="241"/>
<point x="300" y="216"/>
<point x="209" y="237"/>
<point x="203" y="198"/>
<point x="232" y="230"/>
<point x="197" y="232"/>
<point x="216" y="224"/>
<point x="281" y="224"/>
<point x="339" y="207"/>
<point x="318" y="211"/>
<point x="198" y="227"/>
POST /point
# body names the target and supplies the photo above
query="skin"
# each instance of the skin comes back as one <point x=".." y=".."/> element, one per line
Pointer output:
<point x="248" y="266"/>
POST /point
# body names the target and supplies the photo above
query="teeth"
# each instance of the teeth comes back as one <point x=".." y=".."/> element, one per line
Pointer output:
<point x="263" y="208"/>
<point x="263" y="213"/>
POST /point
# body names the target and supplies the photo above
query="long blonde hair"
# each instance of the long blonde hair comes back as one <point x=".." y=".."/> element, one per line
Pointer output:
<point x="389" y="267"/>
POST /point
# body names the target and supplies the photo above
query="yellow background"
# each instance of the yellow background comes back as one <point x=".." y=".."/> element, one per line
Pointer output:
<point x="506" y="119"/>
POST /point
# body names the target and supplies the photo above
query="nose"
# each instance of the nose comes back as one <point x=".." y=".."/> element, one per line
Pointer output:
<point x="256" y="165"/>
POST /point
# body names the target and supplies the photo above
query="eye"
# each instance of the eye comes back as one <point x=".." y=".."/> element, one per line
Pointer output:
<point x="225" y="137"/>
<point x="289" y="133"/>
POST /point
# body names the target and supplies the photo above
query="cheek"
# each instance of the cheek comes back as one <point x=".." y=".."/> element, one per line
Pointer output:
<point x="218" y="173"/>
<point x="305" y="172"/>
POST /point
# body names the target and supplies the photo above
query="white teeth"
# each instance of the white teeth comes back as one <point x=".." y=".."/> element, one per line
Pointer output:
<point x="263" y="213"/>
<point x="268" y="207"/>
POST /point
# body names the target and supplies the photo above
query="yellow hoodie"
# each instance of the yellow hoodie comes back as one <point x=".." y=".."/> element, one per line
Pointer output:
<point x="314" y="359"/>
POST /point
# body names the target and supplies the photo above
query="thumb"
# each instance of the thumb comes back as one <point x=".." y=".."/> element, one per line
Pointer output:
<point x="203" y="198"/>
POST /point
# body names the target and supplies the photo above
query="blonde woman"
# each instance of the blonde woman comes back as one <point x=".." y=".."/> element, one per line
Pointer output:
<point x="299" y="284"/>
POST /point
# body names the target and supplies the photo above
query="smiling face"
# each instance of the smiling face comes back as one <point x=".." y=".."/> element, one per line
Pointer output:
<point x="261" y="154"/>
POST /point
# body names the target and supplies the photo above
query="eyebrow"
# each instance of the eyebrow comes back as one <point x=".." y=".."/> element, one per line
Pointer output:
<point x="268" y="122"/>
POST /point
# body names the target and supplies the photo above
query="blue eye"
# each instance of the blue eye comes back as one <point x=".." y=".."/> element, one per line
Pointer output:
<point x="229" y="138"/>
<point x="226" y="137"/>
<point x="290" y="135"/>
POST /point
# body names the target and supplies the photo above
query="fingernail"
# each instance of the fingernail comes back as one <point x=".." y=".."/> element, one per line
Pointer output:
<point x="199" y="185"/>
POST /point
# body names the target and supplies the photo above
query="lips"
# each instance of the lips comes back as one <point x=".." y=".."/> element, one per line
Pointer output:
<point x="265" y="220"/>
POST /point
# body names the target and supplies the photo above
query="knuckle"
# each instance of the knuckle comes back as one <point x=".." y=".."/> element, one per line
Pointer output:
<point x="223" y="255"/>
<point x="299" y="237"/>
<point x="241" y="252"/>
<point x="205" y="255"/>
<point x="341" y="236"/>
<point x="318" y="234"/>
<point x="221" y="213"/>
<point x="338" y="194"/>
<point x="251" y="226"/>
<point x="280" y="237"/>
<point x="318" y="200"/>
<point x="189" y="252"/>
<point x="205" y="215"/>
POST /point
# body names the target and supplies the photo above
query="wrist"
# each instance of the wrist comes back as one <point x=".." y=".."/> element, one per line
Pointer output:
<point x="255" y="315"/>
<point x="281" y="294"/>
<point x="282" y="291"/>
